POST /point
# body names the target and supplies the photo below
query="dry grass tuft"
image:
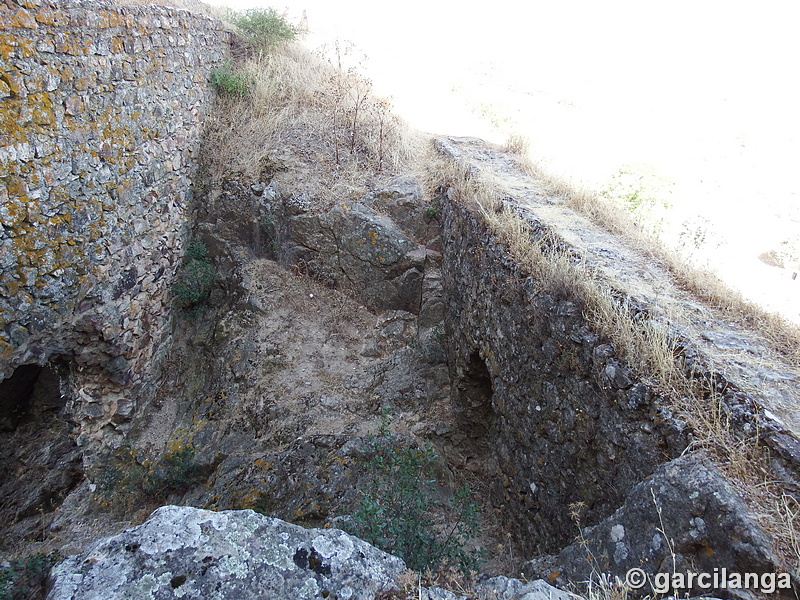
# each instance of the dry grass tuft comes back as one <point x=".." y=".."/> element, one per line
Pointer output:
<point x="322" y="124"/>
<point x="783" y="336"/>
<point x="642" y="341"/>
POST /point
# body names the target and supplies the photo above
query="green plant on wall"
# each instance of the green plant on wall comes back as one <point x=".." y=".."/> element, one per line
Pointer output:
<point x="644" y="193"/>
<point x="396" y="514"/>
<point x="125" y="478"/>
<point x="26" y="578"/>
<point x="196" y="278"/>
<point x="177" y="471"/>
<point x="230" y="83"/>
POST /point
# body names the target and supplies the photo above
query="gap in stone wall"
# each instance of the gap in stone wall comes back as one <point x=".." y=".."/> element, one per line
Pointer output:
<point x="30" y="389"/>
<point x="474" y="402"/>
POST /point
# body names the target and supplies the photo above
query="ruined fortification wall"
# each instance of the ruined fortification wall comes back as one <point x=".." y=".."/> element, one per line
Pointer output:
<point x="101" y="110"/>
<point x="561" y="417"/>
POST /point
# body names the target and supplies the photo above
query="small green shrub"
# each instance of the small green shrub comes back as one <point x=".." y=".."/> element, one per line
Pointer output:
<point x="26" y="578"/>
<point x="177" y="471"/>
<point x="125" y="476"/>
<point x="267" y="225"/>
<point x="396" y="515"/>
<point x="230" y="83"/>
<point x="121" y="474"/>
<point x="263" y="27"/>
<point x="432" y="212"/>
<point x="196" y="278"/>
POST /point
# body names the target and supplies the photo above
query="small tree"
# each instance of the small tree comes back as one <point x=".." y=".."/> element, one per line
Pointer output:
<point x="263" y="28"/>
<point x="196" y="278"/>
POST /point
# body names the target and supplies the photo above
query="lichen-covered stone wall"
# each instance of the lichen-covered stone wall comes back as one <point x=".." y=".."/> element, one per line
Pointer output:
<point x="101" y="111"/>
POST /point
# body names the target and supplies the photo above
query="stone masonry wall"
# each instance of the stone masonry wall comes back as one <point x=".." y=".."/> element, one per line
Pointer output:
<point x="540" y="397"/>
<point x="101" y="110"/>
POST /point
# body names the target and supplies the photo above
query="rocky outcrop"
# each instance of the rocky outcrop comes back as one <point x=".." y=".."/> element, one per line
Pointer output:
<point x="182" y="552"/>
<point x="351" y="245"/>
<point x="687" y="516"/>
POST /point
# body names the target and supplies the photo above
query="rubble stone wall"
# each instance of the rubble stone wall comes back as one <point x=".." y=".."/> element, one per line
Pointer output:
<point x="101" y="111"/>
<point x="542" y="400"/>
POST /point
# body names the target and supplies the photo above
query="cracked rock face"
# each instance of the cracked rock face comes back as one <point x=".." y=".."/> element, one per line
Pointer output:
<point x="184" y="552"/>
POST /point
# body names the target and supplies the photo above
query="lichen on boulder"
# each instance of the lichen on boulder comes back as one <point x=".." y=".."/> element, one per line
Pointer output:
<point x="185" y="552"/>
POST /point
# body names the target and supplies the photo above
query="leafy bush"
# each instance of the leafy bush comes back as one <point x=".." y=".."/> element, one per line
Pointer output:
<point x="26" y="578"/>
<point x="263" y="27"/>
<point x="126" y="478"/>
<point x="230" y="83"/>
<point x="396" y="515"/>
<point x="176" y="472"/>
<point x="196" y="278"/>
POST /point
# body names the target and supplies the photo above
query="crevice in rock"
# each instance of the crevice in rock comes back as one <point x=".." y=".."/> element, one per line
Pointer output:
<point x="41" y="463"/>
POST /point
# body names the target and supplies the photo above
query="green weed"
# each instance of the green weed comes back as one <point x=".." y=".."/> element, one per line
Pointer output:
<point x="196" y="278"/>
<point x="127" y="478"/>
<point x="230" y="83"/>
<point x="177" y="471"/>
<point x="396" y="515"/>
<point x="26" y="578"/>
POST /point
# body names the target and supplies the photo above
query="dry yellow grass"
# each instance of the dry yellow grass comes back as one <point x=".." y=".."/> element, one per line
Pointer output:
<point x="303" y="112"/>
<point x="783" y="337"/>
<point x="642" y="342"/>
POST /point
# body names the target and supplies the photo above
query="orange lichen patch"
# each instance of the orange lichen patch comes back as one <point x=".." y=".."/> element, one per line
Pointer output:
<point x="120" y="136"/>
<point x="15" y="84"/>
<point x="252" y="498"/>
<point x="263" y="465"/>
<point x="46" y="17"/>
<point x="42" y="109"/>
<point x="6" y="349"/>
<point x="110" y="18"/>
<point x="11" y="45"/>
<point x="67" y="72"/>
<point x="82" y="83"/>
<point x="14" y="19"/>
<point x="116" y="45"/>
<point x="17" y="188"/>
<point x="66" y="44"/>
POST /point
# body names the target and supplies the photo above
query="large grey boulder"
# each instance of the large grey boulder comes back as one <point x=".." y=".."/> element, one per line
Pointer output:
<point x="686" y="517"/>
<point x="184" y="552"/>
<point x="506" y="588"/>
<point x="501" y="588"/>
<point x="353" y="246"/>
